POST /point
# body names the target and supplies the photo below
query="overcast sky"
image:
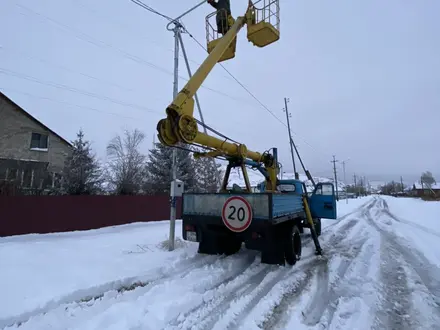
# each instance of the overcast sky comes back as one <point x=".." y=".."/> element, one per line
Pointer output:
<point x="363" y="77"/>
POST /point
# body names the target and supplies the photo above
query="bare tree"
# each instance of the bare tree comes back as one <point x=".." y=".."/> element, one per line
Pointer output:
<point x="427" y="179"/>
<point x="126" y="167"/>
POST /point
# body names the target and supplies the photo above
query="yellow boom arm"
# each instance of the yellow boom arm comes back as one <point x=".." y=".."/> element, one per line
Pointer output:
<point x="181" y="127"/>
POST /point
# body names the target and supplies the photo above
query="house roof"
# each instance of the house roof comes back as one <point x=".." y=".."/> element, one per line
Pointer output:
<point x="27" y="114"/>
<point x="418" y="186"/>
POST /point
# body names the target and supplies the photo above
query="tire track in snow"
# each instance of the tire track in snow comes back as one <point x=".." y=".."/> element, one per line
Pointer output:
<point x="218" y="296"/>
<point x="293" y="281"/>
<point x="397" y="310"/>
<point x="396" y="256"/>
<point x="282" y="282"/>
<point x="88" y="297"/>
<point x="242" y="293"/>
<point x="276" y="297"/>
<point x="226" y="304"/>
<point x="343" y="246"/>
<point x="277" y="318"/>
<point x="396" y="301"/>
<point x="428" y="273"/>
<point x="329" y="290"/>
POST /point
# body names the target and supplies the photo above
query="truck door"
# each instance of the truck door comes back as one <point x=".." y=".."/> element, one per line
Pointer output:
<point x="323" y="201"/>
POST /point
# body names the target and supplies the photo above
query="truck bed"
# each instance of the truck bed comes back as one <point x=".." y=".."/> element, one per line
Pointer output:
<point x="265" y="206"/>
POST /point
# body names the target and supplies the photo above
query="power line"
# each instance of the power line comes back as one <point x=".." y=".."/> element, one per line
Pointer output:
<point x="102" y="44"/>
<point x="73" y="104"/>
<point x="61" y="67"/>
<point x="125" y="26"/>
<point x="73" y="89"/>
<point x="50" y="63"/>
<point x="150" y="9"/>
<point x="251" y="94"/>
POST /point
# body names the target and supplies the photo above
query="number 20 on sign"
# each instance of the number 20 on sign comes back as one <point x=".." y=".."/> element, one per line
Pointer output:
<point x="237" y="214"/>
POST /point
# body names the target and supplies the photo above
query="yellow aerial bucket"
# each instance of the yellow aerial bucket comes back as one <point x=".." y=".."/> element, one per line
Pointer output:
<point x="263" y="26"/>
<point x="213" y="35"/>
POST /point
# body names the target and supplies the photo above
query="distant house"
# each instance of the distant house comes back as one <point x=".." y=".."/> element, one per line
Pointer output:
<point x="31" y="154"/>
<point x="420" y="189"/>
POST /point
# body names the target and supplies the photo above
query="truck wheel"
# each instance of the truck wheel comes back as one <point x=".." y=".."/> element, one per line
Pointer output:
<point x="318" y="227"/>
<point x="292" y="250"/>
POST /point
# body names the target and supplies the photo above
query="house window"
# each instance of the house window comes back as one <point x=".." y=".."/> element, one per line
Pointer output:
<point x="39" y="141"/>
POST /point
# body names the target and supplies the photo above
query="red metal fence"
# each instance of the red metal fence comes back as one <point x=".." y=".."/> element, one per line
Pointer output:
<point x="48" y="214"/>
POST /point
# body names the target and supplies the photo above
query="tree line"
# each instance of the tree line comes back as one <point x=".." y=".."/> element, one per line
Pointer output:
<point x="427" y="180"/>
<point x="130" y="172"/>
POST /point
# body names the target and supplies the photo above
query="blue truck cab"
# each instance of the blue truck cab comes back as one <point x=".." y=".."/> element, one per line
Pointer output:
<point x="322" y="200"/>
<point x="265" y="221"/>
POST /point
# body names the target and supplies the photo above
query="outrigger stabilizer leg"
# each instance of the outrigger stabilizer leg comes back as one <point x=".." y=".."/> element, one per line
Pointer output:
<point x="312" y="226"/>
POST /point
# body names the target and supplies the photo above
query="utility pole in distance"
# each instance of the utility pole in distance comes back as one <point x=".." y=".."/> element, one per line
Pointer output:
<point x="355" y="182"/>
<point x="334" y="161"/>
<point x="288" y="115"/>
<point x="345" y="182"/>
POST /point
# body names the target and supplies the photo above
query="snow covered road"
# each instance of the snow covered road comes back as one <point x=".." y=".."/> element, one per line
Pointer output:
<point x="379" y="271"/>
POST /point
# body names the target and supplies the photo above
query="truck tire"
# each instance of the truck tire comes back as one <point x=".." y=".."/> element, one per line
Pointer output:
<point x="318" y="226"/>
<point x="292" y="251"/>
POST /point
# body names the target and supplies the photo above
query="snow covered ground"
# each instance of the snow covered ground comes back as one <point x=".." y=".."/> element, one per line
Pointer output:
<point x="380" y="271"/>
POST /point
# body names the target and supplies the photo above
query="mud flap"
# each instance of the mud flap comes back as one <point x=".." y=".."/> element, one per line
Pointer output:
<point x="209" y="244"/>
<point x="218" y="244"/>
<point x="273" y="247"/>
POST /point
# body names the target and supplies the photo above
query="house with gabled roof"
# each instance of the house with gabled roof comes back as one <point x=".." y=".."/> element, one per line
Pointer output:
<point x="31" y="154"/>
<point x="423" y="189"/>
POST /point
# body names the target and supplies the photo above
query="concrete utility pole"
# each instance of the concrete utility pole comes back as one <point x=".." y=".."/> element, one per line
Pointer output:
<point x="345" y="182"/>
<point x="177" y="30"/>
<point x="334" y="161"/>
<point x="173" y="198"/>
<point x="288" y="115"/>
<point x="355" y="182"/>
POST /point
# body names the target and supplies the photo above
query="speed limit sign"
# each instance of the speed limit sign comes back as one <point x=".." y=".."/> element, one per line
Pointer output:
<point x="237" y="214"/>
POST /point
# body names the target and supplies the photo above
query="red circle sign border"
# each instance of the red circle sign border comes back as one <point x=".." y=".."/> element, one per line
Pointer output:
<point x="248" y="222"/>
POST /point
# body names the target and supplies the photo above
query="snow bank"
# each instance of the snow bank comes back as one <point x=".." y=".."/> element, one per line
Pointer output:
<point x="417" y="222"/>
<point x="41" y="270"/>
<point x="416" y="210"/>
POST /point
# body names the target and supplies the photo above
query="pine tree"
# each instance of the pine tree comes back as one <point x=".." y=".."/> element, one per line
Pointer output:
<point x="82" y="173"/>
<point x="159" y="170"/>
<point x="208" y="175"/>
